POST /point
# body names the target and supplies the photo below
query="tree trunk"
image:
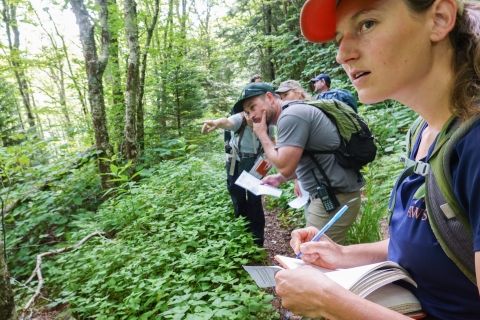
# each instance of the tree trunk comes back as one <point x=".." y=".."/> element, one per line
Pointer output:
<point x="7" y="303"/>
<point x="115" y="79"/>
<point x="141" y="85"/>
<point x="38" y="124"/>
<point x="182" y="20"/>
<point x="178" y="107"/>
<point x="205" y="32"/>
<point x="95" y="68"/>
<point x="268" y="32"/>
<point x="131" y="33"/>
<point x="10" y="19"/>
<point x="167" y="50"/>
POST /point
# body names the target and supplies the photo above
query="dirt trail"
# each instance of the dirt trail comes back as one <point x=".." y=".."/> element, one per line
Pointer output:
<point x="277" y="241"/>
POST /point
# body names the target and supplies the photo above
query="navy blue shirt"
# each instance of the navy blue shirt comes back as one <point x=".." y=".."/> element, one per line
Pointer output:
<point x="443" y="290"/>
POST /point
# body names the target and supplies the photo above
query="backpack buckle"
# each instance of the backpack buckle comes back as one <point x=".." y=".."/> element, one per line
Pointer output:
<point x="419" y="167"/>
<point x="422" y="168"/>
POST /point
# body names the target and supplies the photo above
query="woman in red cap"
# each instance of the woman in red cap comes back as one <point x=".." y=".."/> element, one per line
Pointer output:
<point x="426" y="55"/>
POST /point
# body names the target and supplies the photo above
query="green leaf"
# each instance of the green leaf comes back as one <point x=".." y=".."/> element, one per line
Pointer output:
<point x="113" y="168"/>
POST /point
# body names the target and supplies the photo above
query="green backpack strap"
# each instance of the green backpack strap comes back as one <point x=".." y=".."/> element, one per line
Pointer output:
<point x="412" y="134"/>
<point x="445" y="215"/>
<point x="448" y="220"/>
<point x="411" y="166"/>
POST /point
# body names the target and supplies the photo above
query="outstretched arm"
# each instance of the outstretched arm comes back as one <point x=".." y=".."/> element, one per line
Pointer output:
<point x="222" y="123"/>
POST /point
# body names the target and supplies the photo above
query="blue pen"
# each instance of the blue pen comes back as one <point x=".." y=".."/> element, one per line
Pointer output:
<point x="328" y="225"/>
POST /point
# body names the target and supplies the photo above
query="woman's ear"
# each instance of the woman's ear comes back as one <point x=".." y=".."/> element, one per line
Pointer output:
<point x="444" y="18"/>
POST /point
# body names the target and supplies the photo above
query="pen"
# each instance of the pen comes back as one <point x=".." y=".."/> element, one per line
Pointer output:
<point x="328" y="225"/>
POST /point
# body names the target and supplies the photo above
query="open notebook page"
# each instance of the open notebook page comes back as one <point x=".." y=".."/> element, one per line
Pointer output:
<point x="347" y="278"/>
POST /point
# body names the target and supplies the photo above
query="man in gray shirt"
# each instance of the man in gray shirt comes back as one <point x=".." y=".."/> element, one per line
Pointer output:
<point x="302" y="127"/>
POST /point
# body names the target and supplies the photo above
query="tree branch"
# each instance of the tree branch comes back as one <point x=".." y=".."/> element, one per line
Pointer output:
<point x="38" y="269"/>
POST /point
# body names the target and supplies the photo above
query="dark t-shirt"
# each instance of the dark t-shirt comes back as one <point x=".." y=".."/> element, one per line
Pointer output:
<point x="443" y="290"/>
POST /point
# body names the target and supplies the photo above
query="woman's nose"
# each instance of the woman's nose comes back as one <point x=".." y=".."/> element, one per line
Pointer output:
<point x="347" y="50"/>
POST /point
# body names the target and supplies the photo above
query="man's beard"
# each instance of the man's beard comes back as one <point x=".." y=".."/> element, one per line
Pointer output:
<point x="267" y="120"/>
<point x="268" y="117"/>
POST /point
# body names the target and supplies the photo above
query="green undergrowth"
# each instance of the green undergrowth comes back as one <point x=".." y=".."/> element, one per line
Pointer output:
<point x="173" y="251"/>
<point x="49" y="190"/>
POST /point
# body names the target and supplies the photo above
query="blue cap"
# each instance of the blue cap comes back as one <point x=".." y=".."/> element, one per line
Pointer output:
<point x="321" y="76"/>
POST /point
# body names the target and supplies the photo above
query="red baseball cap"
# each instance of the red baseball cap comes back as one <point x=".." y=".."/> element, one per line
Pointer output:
<point x="318" y="20"/>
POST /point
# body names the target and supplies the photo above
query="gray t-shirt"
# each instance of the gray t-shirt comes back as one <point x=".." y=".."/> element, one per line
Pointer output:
<point x="307" y="127"/>
<point x="250" y="142"/>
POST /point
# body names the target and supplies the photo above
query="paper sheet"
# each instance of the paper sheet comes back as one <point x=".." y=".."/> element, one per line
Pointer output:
<point x="299" y="202"/>
<point x="348" y="278"/>
<point x="264" y="276"/>
<point x="252" y="184"/>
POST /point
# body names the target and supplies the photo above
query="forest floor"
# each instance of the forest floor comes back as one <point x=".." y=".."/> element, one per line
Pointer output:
<point x="277" y="241"/>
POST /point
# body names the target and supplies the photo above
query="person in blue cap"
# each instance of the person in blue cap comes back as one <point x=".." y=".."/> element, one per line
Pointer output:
<point x="424" y="54"/>
<point x="321" y="85"/>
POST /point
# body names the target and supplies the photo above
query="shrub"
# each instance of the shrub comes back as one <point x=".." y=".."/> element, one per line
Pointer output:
<point x="177" y="253"/>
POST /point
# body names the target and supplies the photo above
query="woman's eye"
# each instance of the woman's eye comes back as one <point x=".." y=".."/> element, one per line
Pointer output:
<point x="367" y="25"/>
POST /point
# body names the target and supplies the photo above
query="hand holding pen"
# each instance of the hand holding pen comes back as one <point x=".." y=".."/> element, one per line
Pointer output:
<point x="327" y="226"/>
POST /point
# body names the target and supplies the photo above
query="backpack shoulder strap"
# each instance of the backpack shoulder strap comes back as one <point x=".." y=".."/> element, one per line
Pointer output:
<point x="448" y="220"/>
<point x="446" y="217"/>
<point x="412" y="134"/>
<point x="411" y="166"/>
